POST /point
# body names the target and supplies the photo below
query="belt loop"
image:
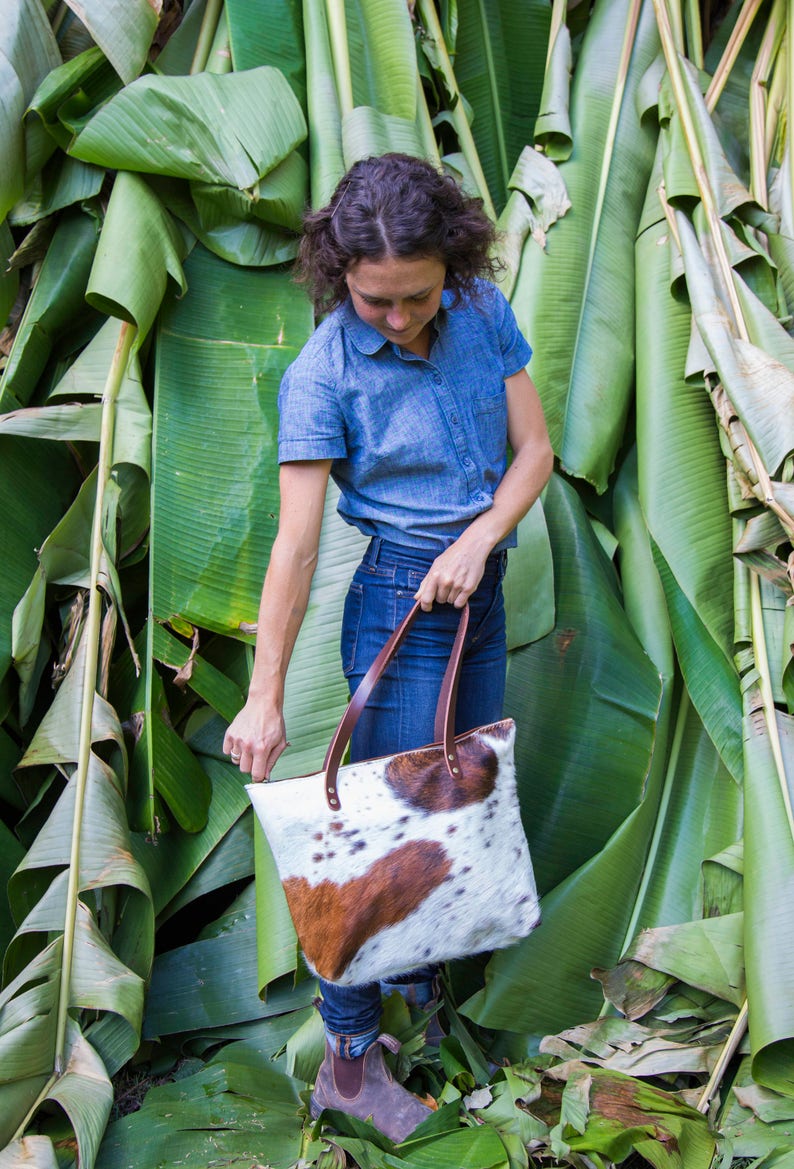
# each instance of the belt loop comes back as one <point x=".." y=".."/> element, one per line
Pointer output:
<point x="502" y="563"/>
<point x="373" y="552"/>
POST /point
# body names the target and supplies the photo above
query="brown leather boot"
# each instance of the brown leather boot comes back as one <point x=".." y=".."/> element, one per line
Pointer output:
<point x="364" y="1087"/>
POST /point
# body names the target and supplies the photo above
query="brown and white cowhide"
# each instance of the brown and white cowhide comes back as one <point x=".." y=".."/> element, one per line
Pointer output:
<point x="414" y="868"/>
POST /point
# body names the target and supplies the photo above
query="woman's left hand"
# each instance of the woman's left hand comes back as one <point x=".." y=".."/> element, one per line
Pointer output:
<point x="453" y="577"/>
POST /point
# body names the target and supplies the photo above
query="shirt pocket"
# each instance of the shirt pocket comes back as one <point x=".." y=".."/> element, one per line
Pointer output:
<point x="490" y="420"/>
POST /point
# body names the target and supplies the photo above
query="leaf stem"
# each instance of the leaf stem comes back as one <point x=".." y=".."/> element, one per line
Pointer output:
<point x="91" y="634"/>
<point x="337" y="30"/>
<point x="432" y="26"/>
<point x="559" y="10"/>
<point x="732" y="49"/>
<point x="767" y="696"/>
<point x="725" y="1057"/>
<point x="759" y="84"/>
<point x="209" y="25"/>
<point x="694" y="32"/>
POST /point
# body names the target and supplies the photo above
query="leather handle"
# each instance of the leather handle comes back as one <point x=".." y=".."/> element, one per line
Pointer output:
<point x="444" y="728"/>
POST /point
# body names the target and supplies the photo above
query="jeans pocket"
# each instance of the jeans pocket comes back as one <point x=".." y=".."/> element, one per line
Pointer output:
<point x="351" y="626"/>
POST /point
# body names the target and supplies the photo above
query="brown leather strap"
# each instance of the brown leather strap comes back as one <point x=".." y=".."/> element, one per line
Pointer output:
<point x="444" y="729"/>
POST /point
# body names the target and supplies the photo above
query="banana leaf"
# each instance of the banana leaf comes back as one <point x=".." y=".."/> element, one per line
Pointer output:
<point x="682" y="480"/>
<point x="711" y="680"/>
<point x="382" y="56"/>
<point x="55" y="306"/>
<point x="68" y="96"/>
<point x="210" y="545"/>
<point x="137" y="226"/>
<point x="553" y="124"/>
<point x="37" y="485"/>
<point x="326" y="160"/>
<point x="587" y="269"/>
<point x="573" y="669"/>
<point x="28" y="53"/>
<point x="104" y="864"/>
<point x="264" y="33"/>
<point x="122" y="30"/>
<point x="769" y="863"/>
<point x="61" y="183"/>
<point x="225" y="124"/>
<point x="9" y="277"/>
<point x="759" y="383"/>
<point x="500" y="59"/>
<point x="237" y="1108"/>
<point x="212" y="982"/>
<point x="588" y="866"/>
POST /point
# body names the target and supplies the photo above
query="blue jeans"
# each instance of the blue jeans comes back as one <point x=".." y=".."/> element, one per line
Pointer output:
<point x="400" y="714"/>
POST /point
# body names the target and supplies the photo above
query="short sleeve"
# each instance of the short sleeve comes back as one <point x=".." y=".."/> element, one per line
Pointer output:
<point x="311" y="425"/>
<point x="515" y="349"/>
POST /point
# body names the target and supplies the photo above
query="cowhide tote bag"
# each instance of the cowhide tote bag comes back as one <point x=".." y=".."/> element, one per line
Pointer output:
<point x="410" y="859"/>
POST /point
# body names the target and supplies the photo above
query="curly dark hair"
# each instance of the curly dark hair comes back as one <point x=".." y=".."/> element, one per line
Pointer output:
<point x="399" y="206"/>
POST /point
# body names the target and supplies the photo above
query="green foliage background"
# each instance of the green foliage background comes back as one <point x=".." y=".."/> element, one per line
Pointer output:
<point x="157" y="158"/>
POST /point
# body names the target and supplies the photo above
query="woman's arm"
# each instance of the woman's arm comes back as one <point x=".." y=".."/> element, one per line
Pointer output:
<point x="458" y="570"/>
<point x="257" y="734"/>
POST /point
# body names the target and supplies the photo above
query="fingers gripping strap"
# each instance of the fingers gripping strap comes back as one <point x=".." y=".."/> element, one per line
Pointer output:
<point x="444" y="730"/>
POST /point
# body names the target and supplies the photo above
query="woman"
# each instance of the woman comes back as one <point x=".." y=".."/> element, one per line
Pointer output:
<point x="407" y="394"/>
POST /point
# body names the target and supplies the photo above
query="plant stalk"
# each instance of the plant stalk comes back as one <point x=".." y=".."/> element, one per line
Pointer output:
<point x="559" y="11"/>
<point x="714" y="223"/>
<point x="759" y="83"/>
<point x="726" y="1055"/>
<point x="432" y="25"/>
<point x="732" y="50"/>
<point x="609" y="143"/>
<point x="219" y="58"/>
<point x="694" y="32"/>
<point x="789" y="106"/>
<point x="91" y="634"/>
<point x="337" y="30"/>
<point x="209" y="26"/>
<point x="761" y="658"/>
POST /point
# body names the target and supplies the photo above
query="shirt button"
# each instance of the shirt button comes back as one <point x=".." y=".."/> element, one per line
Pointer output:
<point x="455" y="419"/>
<point x="467" y="462"/>
<point x="437" y="378"/>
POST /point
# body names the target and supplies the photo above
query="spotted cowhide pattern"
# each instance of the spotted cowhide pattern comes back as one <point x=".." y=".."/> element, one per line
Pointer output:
<point x="415" y="868"/>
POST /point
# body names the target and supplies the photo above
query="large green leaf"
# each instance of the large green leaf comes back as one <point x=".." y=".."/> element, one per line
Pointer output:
<point x="28" y="52"/>
<point x="237" y="1109"/>
<point x="580" y="782"/>
<point x="139" y="228"/>
<point x="324" y="114"/>
<point x="56" y="304"/>
<point x="225" y="126"/>
<point x="769" y="872"/>
<point x="584" y="350"/>
<point x="35" y="489"/>
<point x="122" y="30"/>
<point x="210" y="546"/>
<point x="382" y="56"/>
<point x="500" y="59"/>
<point x="710" y="678"/>
<point x="265" y="33"/>
<point x="212" y="982"/>
<point x="681" y="477"/>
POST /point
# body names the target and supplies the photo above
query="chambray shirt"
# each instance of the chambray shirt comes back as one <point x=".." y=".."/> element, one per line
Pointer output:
<point x="418" y="446"/>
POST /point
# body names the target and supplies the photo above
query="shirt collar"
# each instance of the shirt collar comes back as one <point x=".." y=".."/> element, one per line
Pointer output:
<point x="367" y="339"/>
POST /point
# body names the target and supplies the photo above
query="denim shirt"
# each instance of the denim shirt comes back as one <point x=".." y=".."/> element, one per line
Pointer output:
<point x="418" y="446"/>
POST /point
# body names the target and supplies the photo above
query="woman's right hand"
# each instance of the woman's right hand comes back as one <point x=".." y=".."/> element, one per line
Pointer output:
<point x="256" y="738"/>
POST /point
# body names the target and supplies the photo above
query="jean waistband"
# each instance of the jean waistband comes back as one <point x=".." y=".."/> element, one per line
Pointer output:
<point x="380" y="551"/>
